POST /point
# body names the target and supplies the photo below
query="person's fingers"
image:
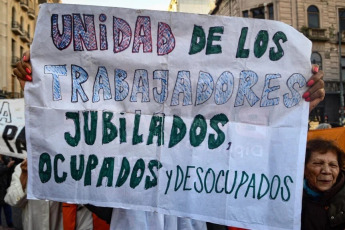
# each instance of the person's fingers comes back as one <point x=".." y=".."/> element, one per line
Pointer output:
<point x="314" y="68"/>
<point x="315" y="82"/>
<point x="26" y="56"/>
<point x="315" y="91"/>
<point x="316" y="98"/>
<point x="315" y="78"/>
<point x="23" y="67"/>
<point x="22" y="72"/>
<point x="17" y="73"/>
<point x="20" y="77"/>
<point x="24" y="165"/>
<point x="25" y="62"/>
<point x="22" y="81"/>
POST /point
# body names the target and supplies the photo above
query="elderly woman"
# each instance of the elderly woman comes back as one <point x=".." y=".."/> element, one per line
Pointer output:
<point x="324" y="187"/>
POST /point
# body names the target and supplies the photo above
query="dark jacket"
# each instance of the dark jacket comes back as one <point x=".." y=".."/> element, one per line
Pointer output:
<point x="5" y="177"/>
<point x="103" y="213"/>
<point x="327" y="212"/>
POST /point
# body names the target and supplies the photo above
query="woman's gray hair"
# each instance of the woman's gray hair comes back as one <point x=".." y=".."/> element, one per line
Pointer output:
<point x="324" y="126"/>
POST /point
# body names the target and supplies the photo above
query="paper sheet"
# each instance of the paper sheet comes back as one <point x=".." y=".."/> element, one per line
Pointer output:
<point x="190" y="115"/>
<point x="12" y="121"/>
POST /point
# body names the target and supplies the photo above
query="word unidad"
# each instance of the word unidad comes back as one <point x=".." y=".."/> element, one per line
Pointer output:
<point x="222" y="88"/>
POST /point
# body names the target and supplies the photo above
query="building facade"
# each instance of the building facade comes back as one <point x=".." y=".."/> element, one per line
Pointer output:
<point x="17" y="26"/>
<point x="191" y="6"/>
<point x="320" y="21"/>
<point x="17" y="29"/>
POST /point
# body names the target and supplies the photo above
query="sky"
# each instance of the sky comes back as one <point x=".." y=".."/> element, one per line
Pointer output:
<point x="134" y="4"/>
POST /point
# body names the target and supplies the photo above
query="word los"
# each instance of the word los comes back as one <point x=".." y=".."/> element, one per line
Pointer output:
<point x="208" y="181"/>
<point x="197" y="131"/>
<point x="85" y="33"/>
<point x="260" y="46"/>
<point x="48" y="167"/>
<point x="222" y="88"/>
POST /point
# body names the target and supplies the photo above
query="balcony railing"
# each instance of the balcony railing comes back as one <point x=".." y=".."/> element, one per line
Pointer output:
<point x="31" y="13"/>
<point x="24" y="5"/>
<point x="16" y="28"/>
<point x="25" y="37"/>
<point x="333" y="86"/>
<point x="14" y="61"/>
<point x="317" y="34"/>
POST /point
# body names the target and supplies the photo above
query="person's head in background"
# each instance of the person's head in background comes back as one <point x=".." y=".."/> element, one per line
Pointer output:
<point x="324" y="126"/>
<point x="323" y="162"/>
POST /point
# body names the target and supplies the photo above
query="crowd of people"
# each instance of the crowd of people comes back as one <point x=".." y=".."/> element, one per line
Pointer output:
<point x="323" y="197"/>
<point x="6" y="170"/>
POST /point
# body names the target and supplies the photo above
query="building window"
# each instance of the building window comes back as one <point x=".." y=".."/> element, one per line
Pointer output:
<point x="313" y="17"/>
<point x="21" y="23"/>
<point x="343" y="67"/>
<point x="270" y="12"/>
<point x="13" y="15"/>
<point x="29" y="31"/>
<point x="316" y="59"/>
<point x="13" y="47"/>
<point x="258" y="12"/>
<point x="245" y="14"/>
<point x="21" y="51"/>
<point x="342" y="19"/>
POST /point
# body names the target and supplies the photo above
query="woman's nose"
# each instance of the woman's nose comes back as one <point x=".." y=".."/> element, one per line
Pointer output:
<point x="325" y="168"/>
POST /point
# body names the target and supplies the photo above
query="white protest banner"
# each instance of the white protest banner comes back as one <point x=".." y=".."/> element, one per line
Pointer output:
<point x="12" y="122"/>
<point x="188" y="115"/>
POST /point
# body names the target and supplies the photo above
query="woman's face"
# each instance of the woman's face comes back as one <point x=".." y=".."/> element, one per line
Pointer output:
<point x="321" y="171"/>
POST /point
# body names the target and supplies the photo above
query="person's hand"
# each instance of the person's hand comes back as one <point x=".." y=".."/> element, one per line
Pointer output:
<point x="10" y="163"/>
<point x="24" y="175"/>
<point x="316" y="91"/>
<point x="23" y="69"/>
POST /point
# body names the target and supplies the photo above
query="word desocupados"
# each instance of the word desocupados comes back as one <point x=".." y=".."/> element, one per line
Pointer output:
<point x="236" y="183"/>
